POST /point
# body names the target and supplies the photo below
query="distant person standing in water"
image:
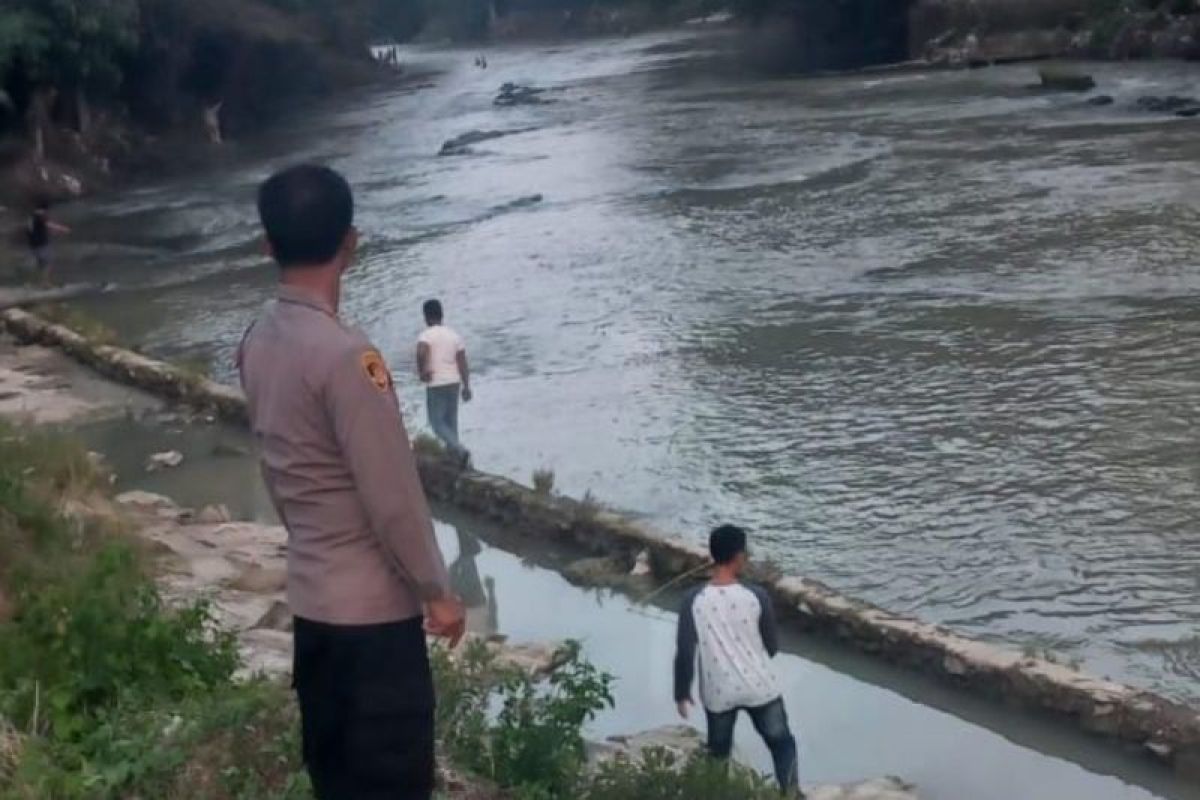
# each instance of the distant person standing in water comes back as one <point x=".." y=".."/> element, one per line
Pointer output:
<point x="442" y="366"/>
<point x="38" y="233"/>
<point x="732" y="626"/>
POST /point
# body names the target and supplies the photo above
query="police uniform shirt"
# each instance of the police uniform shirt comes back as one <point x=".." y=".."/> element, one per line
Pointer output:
<point x="339" y="467"/>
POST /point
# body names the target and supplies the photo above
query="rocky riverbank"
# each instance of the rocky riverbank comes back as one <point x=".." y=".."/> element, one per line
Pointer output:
<point x="1167" y="731"/>
<point x="237" y="569"/>
<point x="982" y="32"/>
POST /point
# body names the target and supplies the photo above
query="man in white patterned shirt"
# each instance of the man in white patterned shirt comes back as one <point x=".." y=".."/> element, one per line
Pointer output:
<point x="732" y="626"/>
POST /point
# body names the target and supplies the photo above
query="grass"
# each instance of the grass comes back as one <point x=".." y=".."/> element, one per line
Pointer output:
<point x="543" y="482"/>
<point x="106" y="691"/>
<point x="80" y="322"/>
<point x="587" y="509"/>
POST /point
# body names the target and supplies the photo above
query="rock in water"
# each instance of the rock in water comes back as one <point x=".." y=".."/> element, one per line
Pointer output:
<point x="883" y="789"/>
<point x="257" y="579"/>
<point x="1060" y="79"/>
<point x="512" y="94"/>
<point x="599" y="571"/>
<point x="461" y="145"/>
<point x="148" y="503"/>
<point x="214" y="515"/>
<point x="1101" y="100"/>
<point x="168" y="460"/>
<point x="1170" y="104"/>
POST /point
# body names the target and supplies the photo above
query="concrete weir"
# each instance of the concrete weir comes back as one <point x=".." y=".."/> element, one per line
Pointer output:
<point x="1165" y="730"/>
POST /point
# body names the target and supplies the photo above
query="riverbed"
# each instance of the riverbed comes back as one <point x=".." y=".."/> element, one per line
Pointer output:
<point x="927" y="335"/>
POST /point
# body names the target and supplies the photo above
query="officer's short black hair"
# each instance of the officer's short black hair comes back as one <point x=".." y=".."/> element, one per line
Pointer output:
<point x="433" y="311"/>
<point x="726" y="543"/>
<point x="306" y="211"/>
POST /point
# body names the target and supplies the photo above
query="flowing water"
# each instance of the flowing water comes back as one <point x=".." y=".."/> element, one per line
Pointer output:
<point x="930" y="336"/>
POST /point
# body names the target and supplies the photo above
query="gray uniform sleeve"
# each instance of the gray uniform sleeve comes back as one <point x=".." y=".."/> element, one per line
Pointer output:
<point x="685" y="649"/>
<point x="366" y="419"/>
<point x="766" y="621"/>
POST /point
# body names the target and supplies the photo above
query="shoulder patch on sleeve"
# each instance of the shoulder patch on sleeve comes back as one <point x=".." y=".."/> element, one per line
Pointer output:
<point x="376" y="370"/>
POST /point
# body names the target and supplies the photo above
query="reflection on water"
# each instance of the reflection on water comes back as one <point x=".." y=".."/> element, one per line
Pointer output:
<point x="479" y="596"/>
<point x="929" y="336"/>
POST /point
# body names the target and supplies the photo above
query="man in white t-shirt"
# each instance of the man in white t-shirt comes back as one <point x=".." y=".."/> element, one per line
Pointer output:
<point x="442" y="365"/>
<point x="731" y="626"/>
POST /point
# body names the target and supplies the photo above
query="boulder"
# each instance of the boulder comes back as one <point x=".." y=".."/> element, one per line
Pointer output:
<point x="214" y="515"/>
<point x="533" y="658"/>
<point x="257" y="579"/>
<point x="166" y="460"/>
<point x="461" y="145"/>
<point x="679" y="740"/>
<point x="512" y="94"/>
<point x="1062" y="79"/>
<point x="882" y="789"/>
<point x="149" y="503"/>
<point x="1169" y="104"/>
<point x="278" y="618"/>
<point x="599" y="571"/>
<point x="611" y="572"/>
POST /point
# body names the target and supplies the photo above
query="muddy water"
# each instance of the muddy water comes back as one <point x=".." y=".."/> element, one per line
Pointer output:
<point x="929" y="336"/>
<point x="855" y="718"/>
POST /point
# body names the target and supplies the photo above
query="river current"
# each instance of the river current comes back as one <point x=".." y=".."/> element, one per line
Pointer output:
<point x="930" y="336"/>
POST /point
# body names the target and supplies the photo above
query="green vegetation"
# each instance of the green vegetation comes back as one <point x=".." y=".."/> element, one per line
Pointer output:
<point x="587" y="509"/>
<point x="532" y="747"/>
<point x="543" y="482"/>
<point x="79" y="321"/>
<point x="109" y="693"/>
<point x="104" y="688"/>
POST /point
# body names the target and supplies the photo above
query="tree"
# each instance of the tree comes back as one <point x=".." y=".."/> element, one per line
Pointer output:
<point x="87" y="41"/>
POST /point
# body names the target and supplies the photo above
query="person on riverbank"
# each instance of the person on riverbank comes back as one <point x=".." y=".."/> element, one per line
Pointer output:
<point x="366" y="580"/>
<point x="443" y="368"/>
<point x="731" y="627"/>
<point x="38" y="233"/>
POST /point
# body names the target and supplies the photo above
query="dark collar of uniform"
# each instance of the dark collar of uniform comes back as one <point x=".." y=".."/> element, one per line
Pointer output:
<point x="303" y="297"/>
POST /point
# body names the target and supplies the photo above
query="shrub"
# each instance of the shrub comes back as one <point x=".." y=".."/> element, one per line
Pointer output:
<point x="534" y="743"/>
<point x="543" y="482"/>
<point x="587" y="509"/>
<point x="80" y="647"/>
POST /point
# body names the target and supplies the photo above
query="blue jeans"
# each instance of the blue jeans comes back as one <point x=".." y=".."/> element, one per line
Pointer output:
<point x="442" y="405"/>
<point x="771" y="722"/>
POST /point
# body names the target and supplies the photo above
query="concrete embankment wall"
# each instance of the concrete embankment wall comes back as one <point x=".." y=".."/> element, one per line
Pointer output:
<point x="1170" y="732"/>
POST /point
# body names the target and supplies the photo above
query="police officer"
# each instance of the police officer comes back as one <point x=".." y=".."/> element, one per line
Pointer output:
<point x="366" y="581"/>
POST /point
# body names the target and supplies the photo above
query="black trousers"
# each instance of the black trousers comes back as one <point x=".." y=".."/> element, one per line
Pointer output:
<point x="367" y="709"/>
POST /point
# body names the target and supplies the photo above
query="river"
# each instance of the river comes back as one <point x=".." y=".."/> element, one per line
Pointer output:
<point x="930" y="336"/>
